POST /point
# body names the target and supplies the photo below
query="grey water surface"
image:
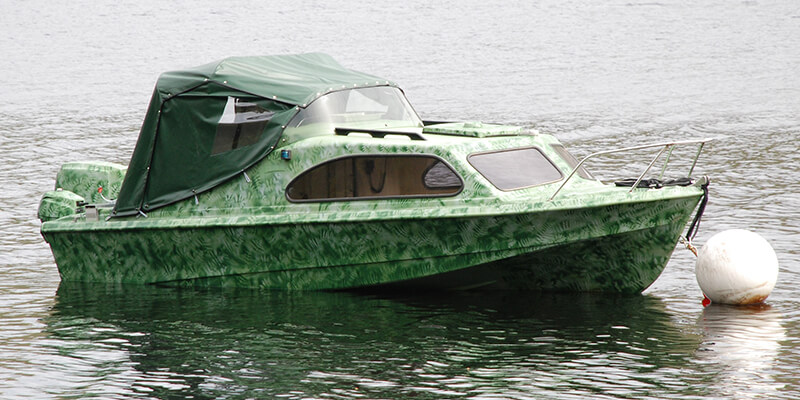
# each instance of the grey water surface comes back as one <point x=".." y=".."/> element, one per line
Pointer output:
<point x="76" y="80"/>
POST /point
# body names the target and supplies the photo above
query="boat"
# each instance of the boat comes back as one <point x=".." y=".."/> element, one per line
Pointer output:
<point x="293" y="172"/>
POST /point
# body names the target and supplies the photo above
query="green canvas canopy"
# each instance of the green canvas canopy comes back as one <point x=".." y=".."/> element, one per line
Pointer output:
<point x="207" y="124"/>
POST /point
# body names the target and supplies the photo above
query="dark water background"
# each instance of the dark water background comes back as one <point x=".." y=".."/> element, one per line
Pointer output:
<point x="76" y="79"/>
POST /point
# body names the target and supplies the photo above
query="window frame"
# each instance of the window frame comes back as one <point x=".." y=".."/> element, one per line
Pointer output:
<point x="312" y="107"/>
<point x="392" y="197"/>
<point x="572" y="161"/>
<point x="537" y="148"/>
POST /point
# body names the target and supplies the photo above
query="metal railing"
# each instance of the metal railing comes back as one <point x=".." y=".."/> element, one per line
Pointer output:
<point x="665" y="147"/>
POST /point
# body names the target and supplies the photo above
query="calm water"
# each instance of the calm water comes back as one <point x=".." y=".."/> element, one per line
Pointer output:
<point x="77" y="77"/>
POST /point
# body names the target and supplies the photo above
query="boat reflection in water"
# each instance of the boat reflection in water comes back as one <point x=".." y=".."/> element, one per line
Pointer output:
<point x="123" y="341"/>
<point x="744" y="344"/>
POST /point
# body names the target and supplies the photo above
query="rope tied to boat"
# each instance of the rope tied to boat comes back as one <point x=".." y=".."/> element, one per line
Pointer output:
<point x="694" y="227"/>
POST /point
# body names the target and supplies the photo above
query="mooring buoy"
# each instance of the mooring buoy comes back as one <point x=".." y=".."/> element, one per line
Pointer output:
<point x="738" y="267"/>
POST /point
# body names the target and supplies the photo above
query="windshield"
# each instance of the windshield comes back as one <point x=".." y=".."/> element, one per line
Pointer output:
<point x="381" y="107"/>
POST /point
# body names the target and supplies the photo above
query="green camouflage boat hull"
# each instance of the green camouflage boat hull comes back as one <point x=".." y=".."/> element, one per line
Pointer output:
<point x="619" y="248"/>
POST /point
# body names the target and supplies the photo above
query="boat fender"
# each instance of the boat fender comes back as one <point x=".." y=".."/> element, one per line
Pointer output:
<point x="736" y="267"/>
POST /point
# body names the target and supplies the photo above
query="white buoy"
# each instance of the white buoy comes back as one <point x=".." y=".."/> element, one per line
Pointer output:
<point x="737" y="267"/>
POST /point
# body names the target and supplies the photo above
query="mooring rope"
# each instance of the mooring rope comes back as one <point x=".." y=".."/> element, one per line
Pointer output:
<point x="694" y="227"/>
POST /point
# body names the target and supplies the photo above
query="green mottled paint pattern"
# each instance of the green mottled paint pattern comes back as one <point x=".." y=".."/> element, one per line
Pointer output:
<point x="56" y="204"/>
<point x="85" y="178"/>
<point x="246" y="233"/>
<point x="80" y="182"/>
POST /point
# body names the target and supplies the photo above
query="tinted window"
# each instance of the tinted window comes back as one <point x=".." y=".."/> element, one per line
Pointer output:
<point x="376" y="176"/>
<point x="515" y="169"/>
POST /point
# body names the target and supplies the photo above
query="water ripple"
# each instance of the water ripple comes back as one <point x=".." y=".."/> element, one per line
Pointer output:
<point x="597" y="75"/>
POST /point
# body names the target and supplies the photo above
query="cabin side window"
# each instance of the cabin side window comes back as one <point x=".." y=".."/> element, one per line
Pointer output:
<point x="240" y="125"/>
<point x="366" y="177"/>
<point x="516" y="168"/>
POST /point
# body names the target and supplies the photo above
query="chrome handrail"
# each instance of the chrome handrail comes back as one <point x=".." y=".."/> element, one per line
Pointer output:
<point x="664" y="147"/>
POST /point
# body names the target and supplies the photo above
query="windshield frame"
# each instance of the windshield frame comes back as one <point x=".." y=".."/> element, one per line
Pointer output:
<point x="340" y="109"/>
